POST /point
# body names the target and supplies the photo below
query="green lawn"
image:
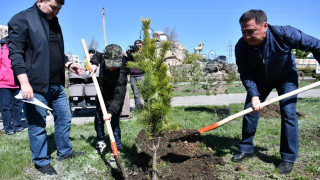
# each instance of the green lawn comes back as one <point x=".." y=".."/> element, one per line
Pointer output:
<point x="15" y="155"/>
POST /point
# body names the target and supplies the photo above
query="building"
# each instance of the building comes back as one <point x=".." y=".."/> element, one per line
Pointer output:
<point x="3" y="31"/>
<point x="75" y="59"/>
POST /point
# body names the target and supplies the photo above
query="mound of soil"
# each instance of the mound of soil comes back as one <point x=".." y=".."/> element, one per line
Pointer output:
<point x="181" y="156"/>
<point x="273" y="111"/>
<point x="270" y="111"/>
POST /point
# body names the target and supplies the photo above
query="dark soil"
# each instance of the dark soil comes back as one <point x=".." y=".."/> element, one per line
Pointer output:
<point x="273" y="111"/>
<point x="181" y="156"/>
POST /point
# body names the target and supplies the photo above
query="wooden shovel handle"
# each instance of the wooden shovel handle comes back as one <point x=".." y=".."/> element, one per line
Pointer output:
<point x="246" y="111"/>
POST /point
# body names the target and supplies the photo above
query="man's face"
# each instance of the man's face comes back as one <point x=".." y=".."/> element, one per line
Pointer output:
<point x="91" y="54"/>
<point x="254" y="34"/>
<point x="51" y="8"/>
<point x="138" y="45"/>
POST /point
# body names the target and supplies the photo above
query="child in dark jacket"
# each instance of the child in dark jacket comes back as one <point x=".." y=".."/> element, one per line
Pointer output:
<point x="112" y="81"/>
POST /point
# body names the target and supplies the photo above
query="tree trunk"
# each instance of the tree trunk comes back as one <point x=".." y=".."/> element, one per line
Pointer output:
<point x="154" y="160"/>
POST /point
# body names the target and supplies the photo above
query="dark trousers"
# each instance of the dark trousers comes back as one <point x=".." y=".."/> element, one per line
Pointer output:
<point x="289" y="140"/>
<point x="10" y="107"/>
<point x="115" y="125"/>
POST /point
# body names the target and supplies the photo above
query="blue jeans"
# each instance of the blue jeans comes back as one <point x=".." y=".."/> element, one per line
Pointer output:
<point x="57" y="100"/>
<point x="10" y="107"/>
<point x="289" y="141"/>
<point x="115" y="125"/>
<point x="134" y="87"/>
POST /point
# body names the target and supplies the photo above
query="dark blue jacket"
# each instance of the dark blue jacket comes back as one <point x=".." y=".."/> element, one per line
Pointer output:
<point x="29" y="47"/>
<point x="274" y="61"/>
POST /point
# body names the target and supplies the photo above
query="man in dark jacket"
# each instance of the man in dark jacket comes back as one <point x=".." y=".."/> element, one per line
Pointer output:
<point x="112" y="81"/>
<point x="38" y="61"/>
<point x="265" y="62"/>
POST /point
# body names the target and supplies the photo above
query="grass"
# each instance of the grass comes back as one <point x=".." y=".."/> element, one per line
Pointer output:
<point x="15" y="154"/>
<point x="235" y="87"/>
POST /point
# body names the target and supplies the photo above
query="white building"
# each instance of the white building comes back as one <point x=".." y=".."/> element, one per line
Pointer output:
<point x="3" y="31"/>
<point x="75" y="59"/>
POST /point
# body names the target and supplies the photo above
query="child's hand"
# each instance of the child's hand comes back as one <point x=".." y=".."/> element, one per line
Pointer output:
<point x="107" y="117"/>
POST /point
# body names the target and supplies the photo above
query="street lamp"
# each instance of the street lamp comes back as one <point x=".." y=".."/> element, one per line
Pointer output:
<point x="150" y="30"/>
<point x="164" y="37"/>
<point x="211" y="54"/>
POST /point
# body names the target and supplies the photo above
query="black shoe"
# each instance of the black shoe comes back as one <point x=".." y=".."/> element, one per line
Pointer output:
<point x="73" y="155"/>
<point x="10" y="133"/>
<point x="47" y="169"/>
<point x="285" y="167"/>
<point x="241" y="156"/>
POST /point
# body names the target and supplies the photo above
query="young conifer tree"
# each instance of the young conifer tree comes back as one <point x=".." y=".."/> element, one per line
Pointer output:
<point x="155" y="89"/>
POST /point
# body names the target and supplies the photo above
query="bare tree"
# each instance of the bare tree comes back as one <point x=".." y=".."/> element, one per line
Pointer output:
<point x="93" y="44"/>
<point x="171" y="33"/>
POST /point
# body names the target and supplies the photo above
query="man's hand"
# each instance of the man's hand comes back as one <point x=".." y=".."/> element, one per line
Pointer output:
<point x="93" y="68"/>
<point x="255" y="104"/>
<point x="77" y="69"/>
<point x="26" y="89"/>
<point x="107" y="117"/>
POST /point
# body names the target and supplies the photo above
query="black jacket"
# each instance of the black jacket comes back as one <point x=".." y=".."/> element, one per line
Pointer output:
<point x="113" y="84"/>
<point x="29" y="47"/>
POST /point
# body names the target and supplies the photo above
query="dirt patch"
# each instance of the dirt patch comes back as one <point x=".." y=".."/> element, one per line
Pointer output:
<point x="180" y="157"/>
<point x="273" y="111"/>
<point x="313" y="134"/>
<point x="270" y="111"/>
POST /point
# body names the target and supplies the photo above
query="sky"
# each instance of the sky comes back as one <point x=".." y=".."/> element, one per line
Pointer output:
<point x="215" y="23"/>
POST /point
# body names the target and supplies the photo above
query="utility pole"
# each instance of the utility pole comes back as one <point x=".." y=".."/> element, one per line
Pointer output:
<point x="104" y="28"/>
<point x="230" y="52"/>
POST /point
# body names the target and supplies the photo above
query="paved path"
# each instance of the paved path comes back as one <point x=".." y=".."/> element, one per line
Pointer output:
<point x="226" y="99"/>
<point x="220" y="99"/>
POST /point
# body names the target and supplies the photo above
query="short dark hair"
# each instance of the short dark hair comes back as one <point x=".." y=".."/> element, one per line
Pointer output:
<point x="92" y="50"/>
<point x="137" y="42"/>
<point x="258" y="15"/>
<point x="58" y="1"/>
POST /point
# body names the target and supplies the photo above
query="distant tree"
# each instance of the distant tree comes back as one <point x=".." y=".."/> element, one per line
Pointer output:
<point x="195" y="74"/>
<point x="94" y="44"/>
<point x="300" y="54"/>
<point x="178" y="74"/>
<point x="190" y="57"/>
<point x="194" y="71"/>
<point x="171" y="33"/>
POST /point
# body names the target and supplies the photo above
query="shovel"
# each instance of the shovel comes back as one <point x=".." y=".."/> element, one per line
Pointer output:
<point x="104" y="112"/>
<point x="246" y="111"/>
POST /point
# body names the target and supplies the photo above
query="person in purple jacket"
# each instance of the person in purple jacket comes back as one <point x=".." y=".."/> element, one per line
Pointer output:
<point x="10" y="106"/>
<point x="264" y="59"/>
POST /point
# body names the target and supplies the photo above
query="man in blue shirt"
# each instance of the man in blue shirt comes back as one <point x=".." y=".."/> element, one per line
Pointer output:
<point x="264" y="59"/>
